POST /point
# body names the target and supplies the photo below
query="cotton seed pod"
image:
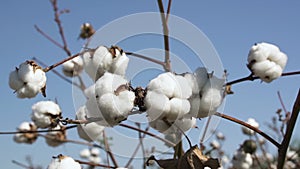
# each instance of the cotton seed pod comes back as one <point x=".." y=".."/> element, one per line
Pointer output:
<point x="86" y="31"/>
<point x="27" y="138"/>
<point x="28" y="80"/>
<point x="63" y="162"/>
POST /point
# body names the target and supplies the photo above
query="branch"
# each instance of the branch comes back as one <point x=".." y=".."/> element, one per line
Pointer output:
<point x="38" y="131"/>
<point x="224" y="116"/>
<point x="168" y="10"/>
<point x="108" y="150"/>
<point x="146" y="58"/>
<point x="48" y="37"/>
<point x="167" y="66"/>
<point x="288" y="134"/>
<point x="252" y="78"/>
<point x="93" y="164"/>
<point x="60" y="27"/>
<point x="21" y="164"/>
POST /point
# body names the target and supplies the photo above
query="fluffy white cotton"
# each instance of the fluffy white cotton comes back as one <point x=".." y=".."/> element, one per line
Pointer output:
<point x="178" y="108"/>
<point x="253" y="123"/>
<point x="157" y="104"/>
<point x="28" y="80"/>
<point x="44" y="113"/>
<point x="242" y="160"/>
<point x="91" y="131"/>
<point x="93" y="155"/>
<point x="266" y="61"/>
<point x="110" y="99"/>
<point x="73" y="67"/>
<point x="28" y="138"/>
<point x="192" y="81"/>
<point x="63" y="162"/>
<point x="104" y="59"/>
<point x="215" y="144"/>
<point x="56" y="138"/>
<point x="201" y="77"/>
<point x="164" y="83"/>
<point x="182" y="88"/>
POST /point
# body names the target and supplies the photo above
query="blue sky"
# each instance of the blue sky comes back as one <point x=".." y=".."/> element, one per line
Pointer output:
<point x="232" y="27"/>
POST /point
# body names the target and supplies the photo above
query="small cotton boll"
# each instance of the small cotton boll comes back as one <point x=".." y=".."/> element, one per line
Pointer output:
<point x="73" y="67"/>
<point x="95" y="152"/>
<point x="178" y="108"/>
<point x="63" y="162"/>
<point x="215" y="144"/>
<point x="28" y="138"/>
<point x="108" y="83"/>
<point x="192" y="81"/>
<point x="253" y="123"/>
<point x="164" y="83"/>
<point x="91" y="131"/>
<point x="209" y="102"/>
<point x="201" y="77"/>
<point x="95" y="160"/>
<point x="157" y="105"/>
<point x="44" y="112"/>
<point x="258" y="53"/>
<point x="56" y="138"/>
<point x="182" y="88"/>
<point x="85" y="153"/>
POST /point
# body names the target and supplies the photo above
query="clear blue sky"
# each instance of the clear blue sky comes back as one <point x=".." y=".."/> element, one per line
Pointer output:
<point x="232" y="26"/>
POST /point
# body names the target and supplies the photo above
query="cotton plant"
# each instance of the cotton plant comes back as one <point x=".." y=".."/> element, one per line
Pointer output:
<point x="63" y="162"/>
<point x="104" y="59"/>
<point x="73" y="67"/>
<point x="29" y="137"/>
<point x="92" y="155"/>
<point x="91" y="131"/>
<point x="266" y="61"/>
<point x="109" y="99"/>
<point x="56" y="138"/>
<point x="45" y="113"/>
<point x="241" y="160"/>
<point x="253" y="123"/>
<point x="28" y="80"/>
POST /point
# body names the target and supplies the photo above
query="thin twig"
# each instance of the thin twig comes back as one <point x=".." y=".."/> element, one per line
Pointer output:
<point x="148" y="133"/>
<point x="60" y="27"/>
<point x="257" y="160"/>
<point x="224" y="116"/>
<point x="48" y="37"/>
<point x="38" y="131"/>
<point x="167" y="66"/>
<point x="21" y="165"/>
<point x="281" y="102"/>
<point x="205" y="131"/>
<point x="108" y="150"/>
<point x="146" y="58"/>
<point x="57" y="73"/>
<point x="288" y="134"/>
<point x="251" y="78"/>
<point x="168" y="10"/>
<point x="94" y="164"/>
<point x="262" y="150"/>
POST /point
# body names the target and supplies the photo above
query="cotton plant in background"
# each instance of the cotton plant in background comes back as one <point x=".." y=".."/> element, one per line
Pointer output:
<point x="63" y="162"/>
<point x="266" y="61"/>
<point x="28" y="80"/>
<point x="92" y="155"/>
<point x="253" y="123"/>
<point x="73" y="67"/>
<point x="241" y="160"/>
<point x="104" y="59"/>
<point x="44" y="114"/>
<point x="27" y="138"/>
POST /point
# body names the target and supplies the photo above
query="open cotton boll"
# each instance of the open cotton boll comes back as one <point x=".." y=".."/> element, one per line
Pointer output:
<point x="157" y="105"/>
<point x="164" y="83"/>
<point x="28" y="80"/>
<point x="73" y="67"/>
<point x="178" y="108"/>
<point x="120" y="63"/>
<point x="85" y="153"/>
<point x="253" y="123"/>
<point x="44" y="113"/>
<point x="108" y="83"/>
<point x="63" y="162"/>
<point x="28" y="138"/>
<point x="209" y="102"/>
<point x="182" y="88"/>
<point x="56" y="138"/>
<point x="201" y="76"/>
<point x="91" y="131"/>
<point x="192" y="81"/>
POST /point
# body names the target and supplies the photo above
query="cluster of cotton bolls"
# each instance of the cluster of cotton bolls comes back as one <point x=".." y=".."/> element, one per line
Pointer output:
<point x="175" y="101"/>
<point x="63" y="162"/>
<point x="104" y="59"/>
<point x="92" y="154"/>
<point x="109" y="99"/>
<point x="28" y="80"/>
<point x="266" y="61"/>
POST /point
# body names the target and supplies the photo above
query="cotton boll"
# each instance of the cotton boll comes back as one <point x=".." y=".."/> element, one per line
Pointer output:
<point x="85" y="153"/>
<point x="178" y="108"/>
<point x="164" y="83"/>
<point x="192" y="81"/>
<point x="182" y="88"/>
<point x="253" y="123"/>
<point x="258" y="53"/>
<point x="90" y="91"/>
<point x="185" y="123"/>
<point x="260" y="68"/>
<point x="242" y="160"/>
<point x="157" y="105"/>
<point x="44" y="113"/>
<point x="108" y="83"/>
<point x="73" y="67"/>
<point x="201" y="76"/>
<point x="209" y="102"/>
<point x="28" y="138"/>
<point x="56" y="138"/>
<point x="63" y="162"/>
<point x="14" y="81"/>
<point x="91" y="131"/>
<point x="120" y="63"/>
<point x="272" y="73"/>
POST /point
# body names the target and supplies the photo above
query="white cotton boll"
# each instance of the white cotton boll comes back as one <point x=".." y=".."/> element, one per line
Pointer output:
<point x="56" y="138"/>
<point x="73" y="67"/>
<point x="91" y="131"/>
<point x="178" y="108"/>
<point x="25" y="72"/>
<point x="95" y="160"/>
<point x="157" y="105"/>
<point x="14" y="81"/>
<point x="253" y="123"/>
<point x="185" y="123"/>
<point x="28" y="138"/>
<point x="272" y="73"/>
<point x="63" y="162"/>
<point x="215" y="144"/>
<point x="126" y="101"/>
<point x="95" y="152"/>
<point x="260" y="68"/>
<point x="258" y="53"/>
<point x="182" y="88"/>
<point x="201" y="76"/>
<point x="164" y="83"/>
<point x="192" y="81"/>
<point x="281" y="59"/>
<point x="108" y="83"/>
<point x="210" y="100"/>
<point x="242" y="160"/>
<point x="85" y="153"/>
<point x="27" y="91"/>
<point x="120" y="63"/>
<point x="44" y="112"/>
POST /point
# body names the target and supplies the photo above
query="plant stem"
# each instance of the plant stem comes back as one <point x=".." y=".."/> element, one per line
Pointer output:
<point x="224" y="116"/>
<point x="48" y="37"/>
<point x="38" y="131"/>
<point x="108" y="150"/>
<point x="168" y="10"/>
<point x="288" y="134"/>
<point x="146" y="58"/>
